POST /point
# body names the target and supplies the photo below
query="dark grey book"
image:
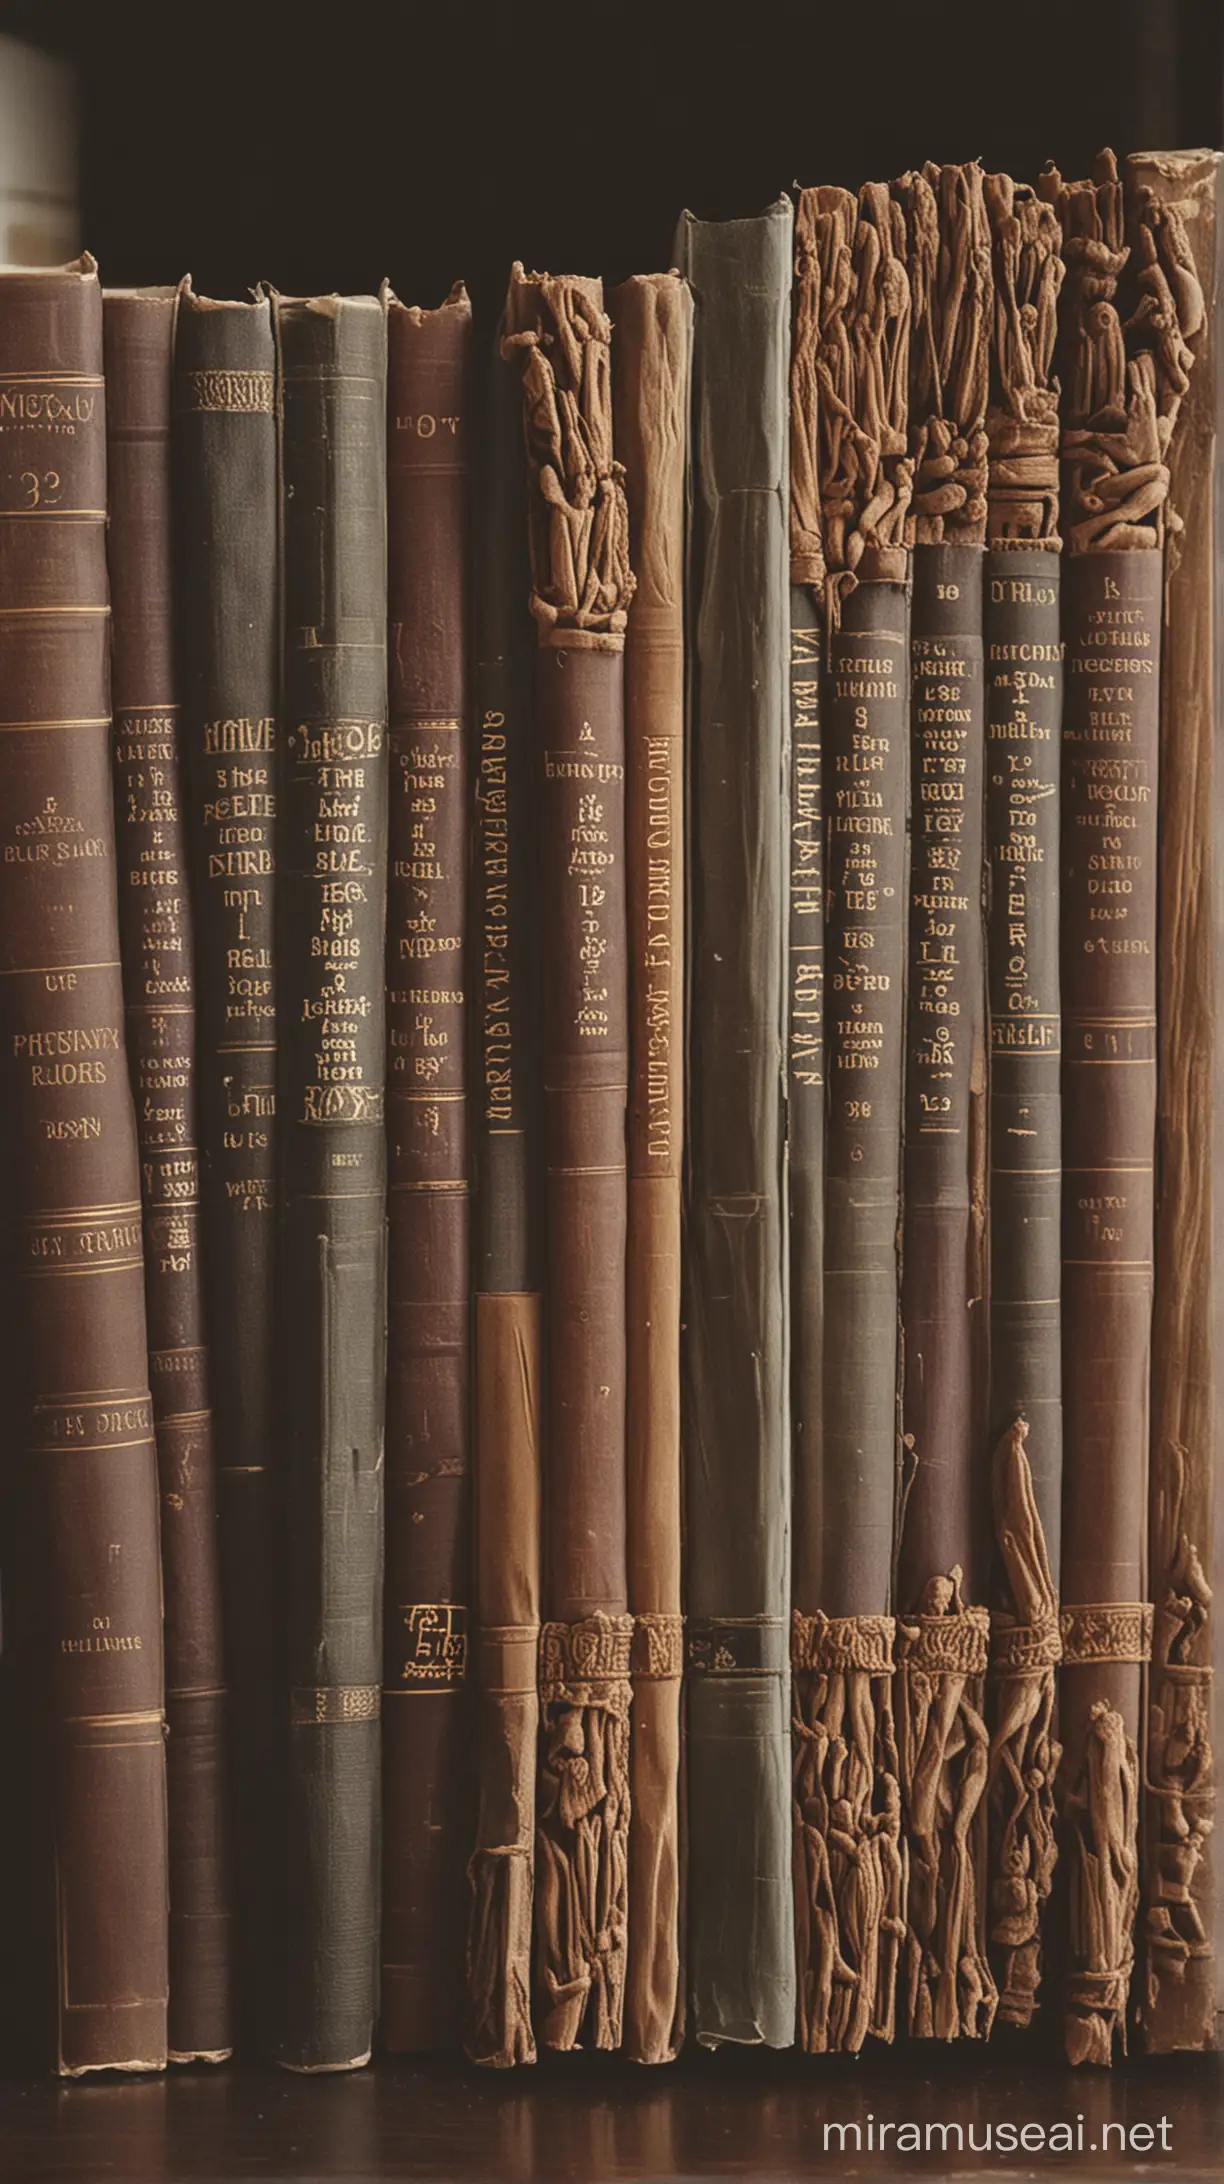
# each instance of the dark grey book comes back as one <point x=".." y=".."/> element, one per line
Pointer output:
<point x="332" y="1235"/>
<point x="741" y="1946"/>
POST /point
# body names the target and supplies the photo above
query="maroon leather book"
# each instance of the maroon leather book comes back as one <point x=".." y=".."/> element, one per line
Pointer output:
<point x="159" y="985"/>
<point x="428" y="1778"/>
<point x="72" y="1175"/>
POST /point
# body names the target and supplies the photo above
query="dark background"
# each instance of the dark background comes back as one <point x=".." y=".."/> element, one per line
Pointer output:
<point x="321" y="144"/>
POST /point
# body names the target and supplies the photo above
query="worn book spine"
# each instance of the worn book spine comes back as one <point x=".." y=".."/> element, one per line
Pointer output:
<point x="506" y="1334"/>
<point x="159" y="990"/>
<point x="79" y="1353"/>
<point x="226" y="533"/>
<point x="848" y="1878"/>
<point x="653" y="315"/>
<point x="331" y="931"/>
<point x="581" y="587"/>
<point x="428" y="1819"/>
<point x="1123" y="380"/>
<point x="741" y="1959"/>
<point x="943" y="1629"/>
<point x="1024" y="687"/>
<point x="1180" y="195"/>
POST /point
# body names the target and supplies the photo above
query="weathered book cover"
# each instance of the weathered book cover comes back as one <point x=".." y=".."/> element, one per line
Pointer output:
<point x="506" y="1331"/>
<point x="159" y="987"/>
<point x="1124" y="371"/>
<point x="72" y="1185"/>
<point x="853" y="395"/>
<point x="1177" y="200"/>
<point x="653" y="315"/>
<point x="226" y="579"/>
<point x="943" y="1627"/>
<point x="428" y="1816"/>
<point x="331" y="931"/>
<point x="741" y="1959"/>
<point x="581" y="587"/>
<point x="1024" y="688"/>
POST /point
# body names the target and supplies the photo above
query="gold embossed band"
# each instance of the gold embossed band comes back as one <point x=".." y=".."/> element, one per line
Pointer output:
<point x="339" y="1702"/>
<point x="246" y="394"/>
<point x="1108" y="1630"/>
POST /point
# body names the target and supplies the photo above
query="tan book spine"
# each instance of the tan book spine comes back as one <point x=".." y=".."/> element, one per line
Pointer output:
<point x="653" y="315"/>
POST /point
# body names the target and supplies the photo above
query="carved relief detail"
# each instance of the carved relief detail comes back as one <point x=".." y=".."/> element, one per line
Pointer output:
<point x="948" y="255"/>
<point x="582" y="1828"/>
<point x="1101" y="1836"/>
<point x="1022" y="422"/>
<point x="1181" y="1774"/>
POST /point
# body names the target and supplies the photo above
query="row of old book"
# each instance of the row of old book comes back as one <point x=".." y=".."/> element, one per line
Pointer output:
<point x="622" y="1085"/>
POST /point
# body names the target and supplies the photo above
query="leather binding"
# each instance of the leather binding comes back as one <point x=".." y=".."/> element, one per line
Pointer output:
<point x="72" y="1181"/>
<point x="331" y="930"/>
<point x="226" y="530"/>
<point x="159" y="988"/>
<point x="1024" y="686"/>
<point x="427" y="1730"/>
<point x="653" y="315"/>
<point x="849" y="1883"/>
<point x="741" y="1966"/>
<point x="1123" y="373"/>
<point x="581" y="587"/>
<point x="506" y="1330"/>
<point x="805" y="1072"/>
<point x="1177" y="197"/>
<point x="941" y="1690"/>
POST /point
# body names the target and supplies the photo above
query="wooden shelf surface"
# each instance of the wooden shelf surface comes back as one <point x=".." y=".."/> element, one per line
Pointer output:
<point x="589" y="2119"/>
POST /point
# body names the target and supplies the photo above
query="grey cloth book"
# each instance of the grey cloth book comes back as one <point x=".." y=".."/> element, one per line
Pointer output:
<point x="736" y="1363"/>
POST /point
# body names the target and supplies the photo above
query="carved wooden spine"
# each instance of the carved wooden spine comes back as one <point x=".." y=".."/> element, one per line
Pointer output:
<point x="849" y="406"/>
<point x="581" y="588"/>
<point x="942" y="1628"/>
<point x="159" y="990"/>
<point x="427" y="1775"/>
<point x="1123" y="381"/>
<point x="1177" y="198"/>
<point x="650" y="384"/>
<point x="1024" y="684"/>
<point x="506" y="1332"/>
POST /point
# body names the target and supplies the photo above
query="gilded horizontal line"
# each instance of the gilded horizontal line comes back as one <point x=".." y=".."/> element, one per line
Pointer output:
<point x="147" y="705"/>
<point x="54" y="610"/>
<point x="1110" y="1167"/>
<point x="268" y="1049"/>
<point x="1102" y="1264"/>
<point x="452" y="1185"/>
<point x="106" y="1399"/>
<point x="427" y="1099"/>
<point x="56" y="515"/>
<point x="1108" y="1023"/>
<point x="617" y="1168"/>
<point x="995" y="1169"/>
<point x="20" y="727"/>
<point x="242" y="1471"/>
<point x="161" y="1008"/>
<point x="178" y="1417"/>
<point x="145" y="1720"/>
<point x="68" y="1216"/>
<point x="101" y="1448"/>
<point x="40" y="970"/>
<point x="51" y="379"/>
<point x="1109" y="1061"/>
<point x="197" y="1691"/>
<point x="75" y="1273"/>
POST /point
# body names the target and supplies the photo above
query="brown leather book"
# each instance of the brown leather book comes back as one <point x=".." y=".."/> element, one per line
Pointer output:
<point x="849" y="1907"/>
<point x="506" y="1333"/>
<point x="331" y="1265"/>
<point x="228" y="615"/>
<point x="943" y="1628"/>
<point x="73" y="1190"/>
<point x="1024" y="688"/>
<point x="1123" y="373"/>
<point x="1177" y="196"/>
<point x="653" y="315"/>
<point x="159" y="988"/>
<point x="581" y="587"/>
<point x="428" y="1819"/>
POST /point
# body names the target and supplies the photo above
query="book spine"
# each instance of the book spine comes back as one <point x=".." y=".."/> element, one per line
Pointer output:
<point x="1177" y="2000"/>
<point x="650" y="384"/>
<point x="847" y="538"/>
<point x="159" y="990"/>
<point x="226" y="526"/>
<point x="805" y="1084"/>
<point x="1024" y="694"/>
<point x="1124" y="383"/>
<point x="73" y="1189"/>
<point x="332" y="1231"/>
<point x="427" y="1820"/>
<point x="507" y="1331"/>
<point x="943" y="1633"/>
<point x="736" y="1357"/>
<point x="579" y="603"/>
<point x="1024" y="687"/>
